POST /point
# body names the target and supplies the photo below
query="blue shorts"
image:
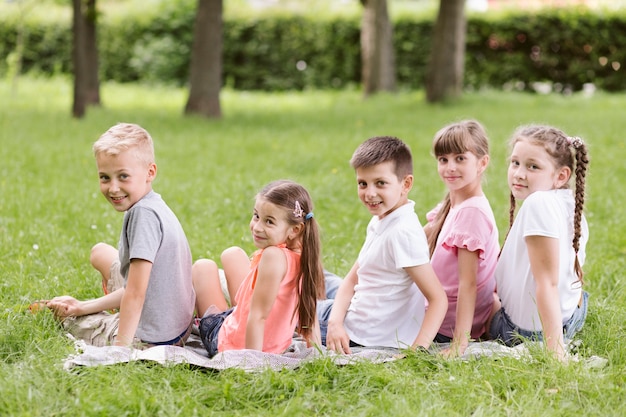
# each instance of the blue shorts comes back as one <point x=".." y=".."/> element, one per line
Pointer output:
<point x="324" y="308"/>
<point x="504" y="330"/>
<point x="177" y="341"/>
<point x="209" y="328"/>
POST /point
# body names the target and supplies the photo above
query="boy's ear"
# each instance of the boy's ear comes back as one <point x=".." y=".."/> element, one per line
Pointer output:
<point x="407" y="183"/>
<point x="152" y="172"/>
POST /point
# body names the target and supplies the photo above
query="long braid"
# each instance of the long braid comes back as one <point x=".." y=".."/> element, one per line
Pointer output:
<point x="511" y="211"/>
<point x="511" y="218"/>
<point x="582" y="161"/>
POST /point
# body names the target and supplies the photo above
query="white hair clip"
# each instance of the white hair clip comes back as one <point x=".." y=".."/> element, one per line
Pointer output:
<point x="575" y="141"/>
<point x="297" y="211"/>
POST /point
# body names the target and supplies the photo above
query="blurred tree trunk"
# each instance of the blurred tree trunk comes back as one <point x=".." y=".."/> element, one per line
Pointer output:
<point x="378" y="66"/>
<point x="91" y="54"/>
<point x="79" y="59"/>
<point x="205" y="70"/>
<point x="444" y="78"/>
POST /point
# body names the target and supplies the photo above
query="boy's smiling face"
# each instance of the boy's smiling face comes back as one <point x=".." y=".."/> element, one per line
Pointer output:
<point x="380" y="190"/>
<point x="124" y="178"/>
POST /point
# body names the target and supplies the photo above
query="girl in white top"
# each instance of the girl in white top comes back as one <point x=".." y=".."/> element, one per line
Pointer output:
<point x="539" y="277"/>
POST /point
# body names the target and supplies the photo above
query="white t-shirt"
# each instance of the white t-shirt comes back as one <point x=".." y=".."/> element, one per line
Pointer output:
<point x="387" y="308"/>
<point x="543" y="213"/>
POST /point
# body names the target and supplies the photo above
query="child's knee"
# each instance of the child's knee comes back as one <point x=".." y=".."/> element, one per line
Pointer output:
<point x="203" y="267"/>
<point x="233" y="252"/>
<point x="102" y="253"/>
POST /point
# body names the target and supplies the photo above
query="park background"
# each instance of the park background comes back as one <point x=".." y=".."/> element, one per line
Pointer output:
<point x="210" y="169"/>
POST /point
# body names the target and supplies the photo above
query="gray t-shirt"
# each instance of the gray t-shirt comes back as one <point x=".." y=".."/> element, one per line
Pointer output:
<point x="151" y="231"/>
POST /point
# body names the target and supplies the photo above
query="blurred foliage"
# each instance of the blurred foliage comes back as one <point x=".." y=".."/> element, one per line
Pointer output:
<point x="296" y="51"/>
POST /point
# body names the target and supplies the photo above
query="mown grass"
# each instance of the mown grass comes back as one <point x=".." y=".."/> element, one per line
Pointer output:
<point x="51" y="213"/>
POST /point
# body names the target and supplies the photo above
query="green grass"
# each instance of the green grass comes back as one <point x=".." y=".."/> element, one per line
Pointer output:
<point x="51" y="213"/>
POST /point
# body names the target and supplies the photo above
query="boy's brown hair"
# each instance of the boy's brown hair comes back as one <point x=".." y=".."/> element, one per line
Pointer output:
<point x="381" y="149"/>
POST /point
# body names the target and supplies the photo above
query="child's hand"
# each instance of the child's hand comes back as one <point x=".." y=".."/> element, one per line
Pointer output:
<point x="337" y="339"/>
<point x="455" y="350"/>
<point x="65" y="306"/>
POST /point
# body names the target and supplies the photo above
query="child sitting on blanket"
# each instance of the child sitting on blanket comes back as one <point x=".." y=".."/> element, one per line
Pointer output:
<point x="539" y="273"/>
<point x="149" y="277"/>
<point x="275" y="292"/>
<point x="462" y="234"/>
<point x="381" y="302"/>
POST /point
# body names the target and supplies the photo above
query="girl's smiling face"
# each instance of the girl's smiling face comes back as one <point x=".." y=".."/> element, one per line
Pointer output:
<point x="532" y="169"/>
<point x="269" y="225"/>
<point x="462" y="171"/>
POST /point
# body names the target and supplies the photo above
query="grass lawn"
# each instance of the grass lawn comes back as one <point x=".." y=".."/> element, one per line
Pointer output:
<point x="51" y="213"/>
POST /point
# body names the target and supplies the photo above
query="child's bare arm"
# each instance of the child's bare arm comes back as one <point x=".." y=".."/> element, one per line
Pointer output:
<point x="466" y="301"/>
<point x="66" y="306"/>
<point x="272" y="270"/>
<point x="428" y="283"/>
<point x="543" y="253"/>
<point x="133" y="300"/>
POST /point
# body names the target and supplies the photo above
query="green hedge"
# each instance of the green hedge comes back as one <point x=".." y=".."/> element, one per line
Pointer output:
<point x="567" y="47"/>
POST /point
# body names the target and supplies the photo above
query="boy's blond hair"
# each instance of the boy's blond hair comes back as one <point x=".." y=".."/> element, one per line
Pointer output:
<point x="123" y="137"/>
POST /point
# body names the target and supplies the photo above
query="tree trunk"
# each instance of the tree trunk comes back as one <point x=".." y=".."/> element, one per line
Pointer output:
<point x="378" y="66"/>
<point x="205" y="71"/>
<point x="91" y="54"/>
<point x="444" y="78"/>
<point x="79" y="60"/>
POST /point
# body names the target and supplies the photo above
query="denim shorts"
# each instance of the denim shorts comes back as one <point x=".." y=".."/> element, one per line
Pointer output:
<point x="177" y="341"/>
<point x="209" y="328"/>
<point x="504" y="330"/>
<point x="324" y="308"/>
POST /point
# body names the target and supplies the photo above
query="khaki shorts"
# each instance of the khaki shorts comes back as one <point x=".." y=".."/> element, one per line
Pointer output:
<point x="116" y="280"/>
<point x="99" y="329"/>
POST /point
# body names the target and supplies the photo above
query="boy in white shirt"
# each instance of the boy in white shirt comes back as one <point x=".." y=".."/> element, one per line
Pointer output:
<point x="382" y="300"/>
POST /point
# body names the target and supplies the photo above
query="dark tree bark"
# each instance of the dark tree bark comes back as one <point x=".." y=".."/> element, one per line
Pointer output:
<point x="91" y="54"/>
<point x="79" y="59"/>
<point x="205" y="72"/>
<point x="378" y="66"/>
<point x="444" y="79"/>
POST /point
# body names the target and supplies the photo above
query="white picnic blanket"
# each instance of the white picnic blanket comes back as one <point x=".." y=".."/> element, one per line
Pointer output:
<point x="251" y="360"/>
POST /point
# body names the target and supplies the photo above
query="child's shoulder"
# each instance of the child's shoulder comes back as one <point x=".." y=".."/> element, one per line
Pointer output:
<point x="548" y="198"/>
<point x="552" y="204"/>
<point x="273" y="253"/>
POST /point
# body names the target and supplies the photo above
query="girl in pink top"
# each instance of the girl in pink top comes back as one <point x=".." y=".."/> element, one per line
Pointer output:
<point x="275" y="291"/>
<point x="462" y="234"/>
